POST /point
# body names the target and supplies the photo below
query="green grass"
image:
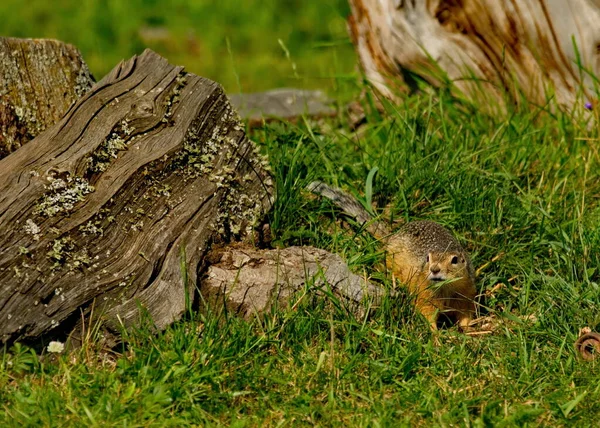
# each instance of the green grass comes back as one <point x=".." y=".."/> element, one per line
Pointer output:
<point x="520" y="191"/>
<point x="236" y="43"/>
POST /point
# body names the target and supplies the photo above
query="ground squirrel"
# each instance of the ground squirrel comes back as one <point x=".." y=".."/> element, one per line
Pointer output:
<point x="424" y="256"/>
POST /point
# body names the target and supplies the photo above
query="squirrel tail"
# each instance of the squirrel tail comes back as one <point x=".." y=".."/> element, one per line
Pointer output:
<point x="350" y="205"/>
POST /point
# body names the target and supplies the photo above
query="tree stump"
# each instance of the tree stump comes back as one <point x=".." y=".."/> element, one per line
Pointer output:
<point x="114" y="207"/>
<point x="39" y="81"/>
<point x="529" y="49"/>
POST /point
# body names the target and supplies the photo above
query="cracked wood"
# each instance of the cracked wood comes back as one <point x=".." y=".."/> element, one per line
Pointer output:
<point x="531" y="50"/>
<point x="115" y="206"/>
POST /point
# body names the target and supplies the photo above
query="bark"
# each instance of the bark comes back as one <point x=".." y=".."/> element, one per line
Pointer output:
<point x="249" y="282"/>
<point x="39" y="81"/>
<point x="115" y="206"/>
<point x="489" y="49"/>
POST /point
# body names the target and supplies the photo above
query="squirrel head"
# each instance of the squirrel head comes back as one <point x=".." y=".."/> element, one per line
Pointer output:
<point x="445" y="266"/>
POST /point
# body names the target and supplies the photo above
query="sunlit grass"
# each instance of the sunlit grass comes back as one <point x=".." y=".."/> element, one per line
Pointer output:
<point x="213" y="39"/>
<point x="521" y="196"/>
<point x="520" y="190"/>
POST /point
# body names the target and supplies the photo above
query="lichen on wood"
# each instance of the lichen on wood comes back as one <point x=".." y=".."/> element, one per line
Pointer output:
<point x="39" y="80"/>
<point x="115" y="206"/>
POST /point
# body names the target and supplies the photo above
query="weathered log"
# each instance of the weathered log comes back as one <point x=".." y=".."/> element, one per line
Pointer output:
<point x="487" y="48"/>
<point x="248" y="281"/>
<point x="115" y="206"/>
<point x="39" y="81"/>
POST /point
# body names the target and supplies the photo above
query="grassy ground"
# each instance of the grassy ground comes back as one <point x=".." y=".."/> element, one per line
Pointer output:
<point x="521" y="193"/>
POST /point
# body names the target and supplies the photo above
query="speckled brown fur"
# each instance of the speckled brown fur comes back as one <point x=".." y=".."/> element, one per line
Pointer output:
<point x="425" y="257"/>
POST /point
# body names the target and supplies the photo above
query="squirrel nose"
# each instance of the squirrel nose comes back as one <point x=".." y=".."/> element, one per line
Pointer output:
<point x="435" y="269"/>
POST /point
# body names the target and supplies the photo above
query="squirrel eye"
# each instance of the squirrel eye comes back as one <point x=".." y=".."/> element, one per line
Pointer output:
<point x="454" y="260"/>
<point x="427" y="258"/>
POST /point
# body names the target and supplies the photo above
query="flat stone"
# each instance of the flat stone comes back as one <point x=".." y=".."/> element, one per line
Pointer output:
<point x="267" y="277"/>
<point x="284" y="103"/>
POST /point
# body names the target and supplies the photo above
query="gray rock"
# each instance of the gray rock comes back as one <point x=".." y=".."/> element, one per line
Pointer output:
<point x="249" y="281"/>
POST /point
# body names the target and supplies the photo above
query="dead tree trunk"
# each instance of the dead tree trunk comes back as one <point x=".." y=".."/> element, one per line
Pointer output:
<point x="116" y="204"/>
<point x="487" y="48"/>
<point x="39" y="81"/>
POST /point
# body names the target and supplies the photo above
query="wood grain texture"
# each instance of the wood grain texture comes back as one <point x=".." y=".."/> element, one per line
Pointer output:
<point x="39" y="80"/>
<point x="105" y="207"/>
<point x="489" y="48"/>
